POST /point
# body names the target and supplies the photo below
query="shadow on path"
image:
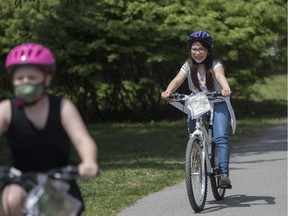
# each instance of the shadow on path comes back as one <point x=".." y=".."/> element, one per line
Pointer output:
<point x="239" y="200"/>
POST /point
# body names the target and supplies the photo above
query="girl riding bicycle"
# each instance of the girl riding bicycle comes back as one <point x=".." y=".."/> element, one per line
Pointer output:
<point x="39" y="126"/>
<point x="206" y="74"/>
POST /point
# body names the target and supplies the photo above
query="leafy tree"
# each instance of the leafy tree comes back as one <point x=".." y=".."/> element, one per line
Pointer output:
<point x="115" y="56"/>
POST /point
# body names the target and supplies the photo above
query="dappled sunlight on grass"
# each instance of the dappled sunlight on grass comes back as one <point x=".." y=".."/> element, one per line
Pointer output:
<point x="271" y="88"/>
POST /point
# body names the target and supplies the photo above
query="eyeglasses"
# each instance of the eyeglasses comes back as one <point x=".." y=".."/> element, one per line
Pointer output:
<point x="195" y="50"/>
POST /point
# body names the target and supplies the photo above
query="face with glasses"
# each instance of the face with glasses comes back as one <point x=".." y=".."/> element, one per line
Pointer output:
<point x="198" y="52"/>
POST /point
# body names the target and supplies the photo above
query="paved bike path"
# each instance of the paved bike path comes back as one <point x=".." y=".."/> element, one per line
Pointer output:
<point x="259" y="179"/>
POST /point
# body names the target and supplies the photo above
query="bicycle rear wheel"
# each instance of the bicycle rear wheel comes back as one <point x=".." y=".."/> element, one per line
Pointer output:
<point x="196" y="174"/>
<point x="218" y="192"/>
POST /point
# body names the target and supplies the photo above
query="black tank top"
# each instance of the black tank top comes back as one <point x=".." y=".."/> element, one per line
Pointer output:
<point x="33" y="149"/>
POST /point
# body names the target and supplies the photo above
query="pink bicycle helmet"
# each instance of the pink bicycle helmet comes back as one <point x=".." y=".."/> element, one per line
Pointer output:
<point x="30" y="54"/>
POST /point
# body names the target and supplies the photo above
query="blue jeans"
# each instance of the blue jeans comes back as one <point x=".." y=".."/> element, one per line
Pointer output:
<point x="221" y="134"/>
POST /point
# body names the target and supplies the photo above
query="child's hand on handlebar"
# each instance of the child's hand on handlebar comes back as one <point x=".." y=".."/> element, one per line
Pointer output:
<point x="165" y="95"/>
<point x="226" y="92"/>
<point x="88" y="169"/>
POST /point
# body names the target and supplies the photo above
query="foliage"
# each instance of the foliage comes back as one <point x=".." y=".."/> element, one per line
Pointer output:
<point x="115" y="56"/>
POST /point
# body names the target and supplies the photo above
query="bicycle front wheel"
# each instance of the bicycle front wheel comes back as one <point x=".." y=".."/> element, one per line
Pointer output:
<point x="196" y="174"/>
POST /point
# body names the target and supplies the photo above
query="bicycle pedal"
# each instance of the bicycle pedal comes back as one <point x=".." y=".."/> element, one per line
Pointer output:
<point x="225" y="186"/>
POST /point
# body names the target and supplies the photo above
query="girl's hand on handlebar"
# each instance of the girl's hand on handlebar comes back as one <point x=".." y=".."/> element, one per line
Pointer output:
<point x="88" y="169"/>
<point x="165" y="95"/>
<point x="226" y="92"/>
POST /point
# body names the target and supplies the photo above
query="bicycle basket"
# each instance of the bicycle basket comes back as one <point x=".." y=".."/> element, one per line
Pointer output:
<point x="57" y="202"/>
<point x="198" y="104"/>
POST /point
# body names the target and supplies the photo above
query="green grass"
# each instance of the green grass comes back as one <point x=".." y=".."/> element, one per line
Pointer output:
<point x="269" y="99"/>
<point x="136" y="159"/>
<point x="272" y="88"/>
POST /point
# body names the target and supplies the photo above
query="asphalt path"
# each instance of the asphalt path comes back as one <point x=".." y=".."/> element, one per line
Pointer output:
<point x="258" y="171"/>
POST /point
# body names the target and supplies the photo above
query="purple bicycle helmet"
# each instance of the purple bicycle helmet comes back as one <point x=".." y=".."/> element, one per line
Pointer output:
<point x="200" y="36"/>
<point x="30" y="54"/>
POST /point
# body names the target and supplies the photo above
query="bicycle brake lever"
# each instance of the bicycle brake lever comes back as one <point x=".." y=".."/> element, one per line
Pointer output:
<point x="13" y="172"/>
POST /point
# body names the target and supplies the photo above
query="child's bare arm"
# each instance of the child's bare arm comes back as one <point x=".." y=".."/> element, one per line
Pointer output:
<point x="220" y="76"/>
<point x="82" y="140"/>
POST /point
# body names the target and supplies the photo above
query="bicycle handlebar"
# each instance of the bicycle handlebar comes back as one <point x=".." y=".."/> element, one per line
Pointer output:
<point x="65" y="173"/>
<point x="69" y="172"/>
<point x="178" y="96"/>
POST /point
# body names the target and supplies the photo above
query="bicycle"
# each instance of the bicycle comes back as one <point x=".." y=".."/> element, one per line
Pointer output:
<point x="48" y="195"/>
<point x="201" y="159"/>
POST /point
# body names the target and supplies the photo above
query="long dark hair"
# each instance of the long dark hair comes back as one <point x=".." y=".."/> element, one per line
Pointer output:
<point x="208" y="68"/>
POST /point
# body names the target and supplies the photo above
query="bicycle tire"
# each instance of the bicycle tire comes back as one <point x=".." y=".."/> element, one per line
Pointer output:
<point x="196" y="174"/>
<point x="218" y="193"/>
